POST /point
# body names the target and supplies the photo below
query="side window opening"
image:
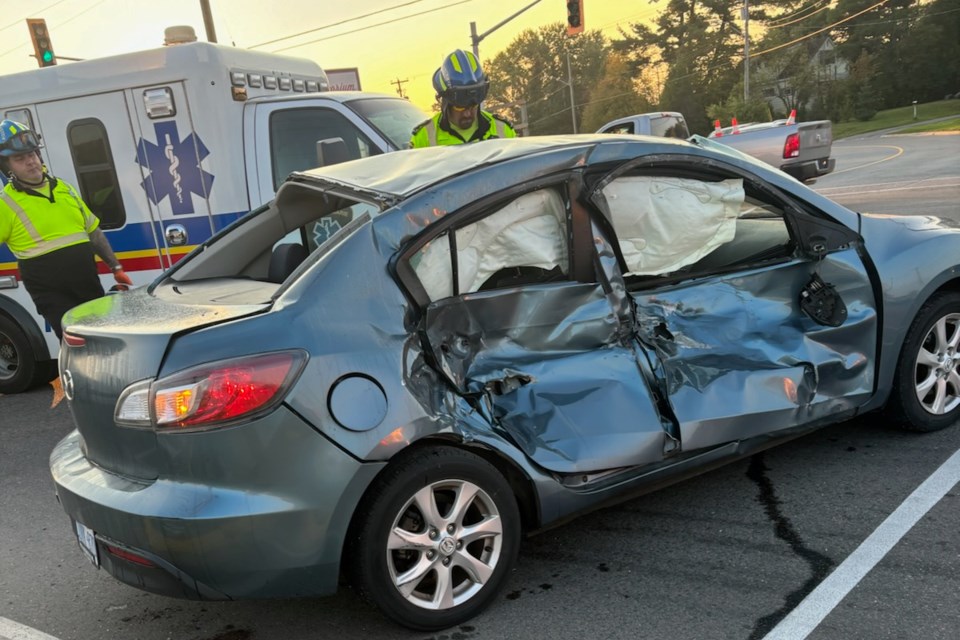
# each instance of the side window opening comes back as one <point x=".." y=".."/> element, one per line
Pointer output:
<point x="96" y="173"/>
<point x="294" y="134"/>
<point x="521" y="243"/>
<point x="683" y="227"/>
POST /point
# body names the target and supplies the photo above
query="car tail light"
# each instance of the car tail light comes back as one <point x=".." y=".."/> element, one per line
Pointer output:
<point x="223" y="392"/>
<point x="211" y="395"/>
<point x="791" y="148"/>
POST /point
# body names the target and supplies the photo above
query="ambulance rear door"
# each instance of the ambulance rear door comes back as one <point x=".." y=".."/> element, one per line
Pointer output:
<point x="173" y="158"/>
<point x="89" y="141"/>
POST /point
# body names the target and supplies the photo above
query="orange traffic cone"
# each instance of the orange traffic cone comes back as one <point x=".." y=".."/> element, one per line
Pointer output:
<point x="736" y="127"/>
<point x="793" y="117"/>
<point x="717" y="129"/>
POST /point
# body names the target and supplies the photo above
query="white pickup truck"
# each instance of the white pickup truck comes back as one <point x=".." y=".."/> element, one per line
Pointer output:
<point x="801" y="149"/>
<point x="666" y="124"/>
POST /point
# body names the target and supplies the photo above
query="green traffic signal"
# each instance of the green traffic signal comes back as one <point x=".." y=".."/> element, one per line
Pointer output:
<point x="47" y="56"/>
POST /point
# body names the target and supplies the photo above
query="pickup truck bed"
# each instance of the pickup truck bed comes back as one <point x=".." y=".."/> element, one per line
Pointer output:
<point x="801" y="149"/>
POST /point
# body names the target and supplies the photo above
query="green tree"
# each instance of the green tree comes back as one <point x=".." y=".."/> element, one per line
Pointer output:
<point x="929" y="54"/>
<point x="866" y="100"/>
<point x="615" y="95"/>
<point x="879" y="32"/>
<point x="702" y="44"/>
<point x="533" y="71"/>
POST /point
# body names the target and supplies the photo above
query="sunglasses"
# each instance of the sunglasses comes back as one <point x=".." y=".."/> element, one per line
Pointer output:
<point x="460" y="109"/>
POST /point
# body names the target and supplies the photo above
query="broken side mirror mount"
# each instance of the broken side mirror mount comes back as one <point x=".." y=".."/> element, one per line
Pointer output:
<point x="820" y="301"/>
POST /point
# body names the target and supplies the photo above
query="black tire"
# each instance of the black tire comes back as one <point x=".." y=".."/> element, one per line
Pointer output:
<point x="19" y="368"/>
<point x="435" y="547"/>
<point x="926" y="387"/>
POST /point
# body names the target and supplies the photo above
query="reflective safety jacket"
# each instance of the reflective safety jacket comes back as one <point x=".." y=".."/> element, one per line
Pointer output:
<point x="436" y="132"/>
<point x="33" y="225"/>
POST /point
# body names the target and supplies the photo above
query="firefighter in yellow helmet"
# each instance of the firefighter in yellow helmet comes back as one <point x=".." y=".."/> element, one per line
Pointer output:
<point x="50" y="230"/>
<point x="461" y="87"/>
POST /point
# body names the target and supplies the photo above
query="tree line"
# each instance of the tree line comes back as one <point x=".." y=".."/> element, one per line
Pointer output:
<point x="834" y="59"/>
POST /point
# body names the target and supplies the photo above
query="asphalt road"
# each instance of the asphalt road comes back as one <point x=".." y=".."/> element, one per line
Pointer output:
<point x="911" y="174"/>
<point x="726" y="555"/>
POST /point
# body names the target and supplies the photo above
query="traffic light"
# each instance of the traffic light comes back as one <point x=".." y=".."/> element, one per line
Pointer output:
<point x="574" y="17"/>
<point x="42" y="48"/>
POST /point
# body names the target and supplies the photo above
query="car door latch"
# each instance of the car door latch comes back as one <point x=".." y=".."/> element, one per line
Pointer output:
<point x="820" y="301"/>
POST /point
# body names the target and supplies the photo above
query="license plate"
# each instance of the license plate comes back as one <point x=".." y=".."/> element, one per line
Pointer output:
<point x="88" y="543"/>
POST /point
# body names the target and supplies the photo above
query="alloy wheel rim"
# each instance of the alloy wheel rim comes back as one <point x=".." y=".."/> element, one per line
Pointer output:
<point x="937" y="370"/>
<point x="444" y="544"/>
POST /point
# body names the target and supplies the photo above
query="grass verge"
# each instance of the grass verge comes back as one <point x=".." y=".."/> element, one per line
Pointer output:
<point x="953" y="124"/>
<point x="897" y="117"/>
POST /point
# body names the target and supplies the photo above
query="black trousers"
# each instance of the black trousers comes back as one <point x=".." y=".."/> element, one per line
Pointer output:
<point x="60" y="280"/>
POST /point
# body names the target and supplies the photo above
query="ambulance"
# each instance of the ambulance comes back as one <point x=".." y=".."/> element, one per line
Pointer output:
<point x="170" y="145"/>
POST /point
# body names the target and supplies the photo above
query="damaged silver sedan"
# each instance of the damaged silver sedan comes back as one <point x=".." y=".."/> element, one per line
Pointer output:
<point x="404" y="363"/>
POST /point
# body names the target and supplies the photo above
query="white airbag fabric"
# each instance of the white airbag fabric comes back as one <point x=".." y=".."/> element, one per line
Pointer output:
<point x="664" y="223"/>
<point x="530" y="231"/>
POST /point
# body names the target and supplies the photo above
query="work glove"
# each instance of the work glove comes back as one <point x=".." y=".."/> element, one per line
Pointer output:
<point x="123" y="280"/>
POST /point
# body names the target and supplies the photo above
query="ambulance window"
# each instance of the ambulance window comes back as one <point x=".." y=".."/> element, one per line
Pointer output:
<point x="294" y="134"/>
<point x="96" y="174"/>
<point x="23" y="116"/>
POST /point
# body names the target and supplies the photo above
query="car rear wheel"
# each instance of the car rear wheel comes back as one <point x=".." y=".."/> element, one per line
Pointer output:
<point x="436" y="538"/>
<point x="19" y="368"/>
<point x="926" y="394"/>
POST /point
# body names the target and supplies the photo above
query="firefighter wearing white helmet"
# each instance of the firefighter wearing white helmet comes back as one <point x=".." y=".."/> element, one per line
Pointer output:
<point x="50" y="230"/>
<point x="461" y="87"/>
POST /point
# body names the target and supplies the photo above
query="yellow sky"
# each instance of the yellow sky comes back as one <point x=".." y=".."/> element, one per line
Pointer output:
<point x="409" y="47"/>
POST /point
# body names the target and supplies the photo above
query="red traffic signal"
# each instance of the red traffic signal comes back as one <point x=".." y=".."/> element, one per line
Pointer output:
<point x="42" y="48"/>
<point x="574" y="17"/>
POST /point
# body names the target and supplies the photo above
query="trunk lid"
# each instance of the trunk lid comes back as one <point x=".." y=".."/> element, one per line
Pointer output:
<point x="815" y="139"/>
<point x="125" y="338"/>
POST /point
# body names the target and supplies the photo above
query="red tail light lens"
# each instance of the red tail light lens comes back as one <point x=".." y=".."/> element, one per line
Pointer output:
<point x="222" y="393"/>
<point x="73" y="341"/>
<point x="791" y="148"/>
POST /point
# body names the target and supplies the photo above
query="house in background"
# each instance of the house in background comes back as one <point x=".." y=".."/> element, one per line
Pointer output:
<point x="801" y="74"/>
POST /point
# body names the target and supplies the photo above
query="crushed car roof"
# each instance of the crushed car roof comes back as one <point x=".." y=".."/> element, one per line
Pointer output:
<point x="402" y="173"/>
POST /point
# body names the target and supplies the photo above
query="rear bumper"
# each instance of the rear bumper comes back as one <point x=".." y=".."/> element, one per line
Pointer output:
<point x="274" y="526"/>
<point x="811" y="169"/>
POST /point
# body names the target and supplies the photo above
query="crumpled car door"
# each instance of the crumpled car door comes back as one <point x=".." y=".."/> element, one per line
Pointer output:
<point x="557" y="364"/>
<point x="739" y="358"/>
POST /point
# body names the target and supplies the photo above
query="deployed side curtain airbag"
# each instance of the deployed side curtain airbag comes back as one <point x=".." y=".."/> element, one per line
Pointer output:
<point x="663" y="224"/>
<point x="528" y="232"/>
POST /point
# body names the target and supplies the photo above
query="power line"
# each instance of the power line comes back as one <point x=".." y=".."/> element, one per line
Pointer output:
<point x="813" y="33"/>
<point x="777" y="21"/>
<point x="335" y="24"/>
<point x="59" y="24"/>
<point x="37" y="12"/>
<point x="800" y="19"/>
<point x="379" y="24"/>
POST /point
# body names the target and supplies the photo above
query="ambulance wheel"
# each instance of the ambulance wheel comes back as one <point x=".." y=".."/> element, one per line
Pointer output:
<point x="19" y="368"/>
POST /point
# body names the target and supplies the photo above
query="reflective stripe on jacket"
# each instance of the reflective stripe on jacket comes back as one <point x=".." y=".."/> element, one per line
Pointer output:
<point x="33" y="225"/>
<point x="434" y="133"/>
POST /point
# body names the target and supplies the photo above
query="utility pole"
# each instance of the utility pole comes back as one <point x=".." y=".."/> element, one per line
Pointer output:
<point x="745" y="14"/>
<point x="573" y="108"/>
<point x="399" y="82"/>
<point x="208" y="21"/>
<point x="475" y="39"/>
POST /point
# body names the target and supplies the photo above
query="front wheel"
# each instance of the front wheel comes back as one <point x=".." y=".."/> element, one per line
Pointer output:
<point x="436" y="538"/>
<point x="926" y="391"/>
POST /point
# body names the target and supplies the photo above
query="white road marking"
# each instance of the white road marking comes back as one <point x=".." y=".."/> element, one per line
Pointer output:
<point x="821" y="601"/>
<point x="10" y="630"/>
